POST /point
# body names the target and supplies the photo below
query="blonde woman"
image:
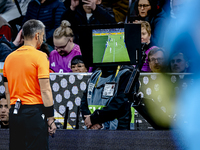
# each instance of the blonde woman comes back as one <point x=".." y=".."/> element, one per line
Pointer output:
<point x="145" y="38"/>
<point x="65" y="48"/>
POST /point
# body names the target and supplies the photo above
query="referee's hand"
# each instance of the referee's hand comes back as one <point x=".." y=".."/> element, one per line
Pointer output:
<point x="52" y="126"/>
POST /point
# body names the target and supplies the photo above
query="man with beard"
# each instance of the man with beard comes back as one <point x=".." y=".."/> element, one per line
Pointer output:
<point x="156" y="58"/>
<point x="4" y="112"/>
<point x="179" y="63"/>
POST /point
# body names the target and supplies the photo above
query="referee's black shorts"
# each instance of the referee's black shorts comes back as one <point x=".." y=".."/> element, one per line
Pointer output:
<point x="28" y="129"/>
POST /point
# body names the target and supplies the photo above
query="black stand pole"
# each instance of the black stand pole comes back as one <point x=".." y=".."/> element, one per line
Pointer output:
<point x="66" y="118"/>
<point x="77" y="117"/>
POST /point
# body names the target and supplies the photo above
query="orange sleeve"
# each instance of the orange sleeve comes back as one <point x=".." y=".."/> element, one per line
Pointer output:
<point x="43" y="66"/>
<point x="4" y="70"/>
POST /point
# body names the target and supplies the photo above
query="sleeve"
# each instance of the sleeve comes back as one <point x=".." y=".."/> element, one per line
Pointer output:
<point x="27" y="16"/>
<point x="84" y="105"/>
<point x="5" y="50"/>
<point x="104" y="15"/>
<point x="43" y="66"/>
<point x="4" y="71"/>
<point x="70" y="16"/>
<point x="113" y="109"/>
<point x="158" y="30"/>
<point x="57" y="19"/>
<point x="6" y="31"/>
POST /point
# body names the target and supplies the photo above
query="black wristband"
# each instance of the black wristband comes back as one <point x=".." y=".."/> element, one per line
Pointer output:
<point x="49" y="111"/>
<point x="5" y="79"/>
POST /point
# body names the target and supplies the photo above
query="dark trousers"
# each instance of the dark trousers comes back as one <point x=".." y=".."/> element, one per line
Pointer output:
<point x="28" y="129"/>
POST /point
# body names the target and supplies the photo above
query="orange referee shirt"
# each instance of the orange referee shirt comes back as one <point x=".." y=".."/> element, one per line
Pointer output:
<point x="23" y="68"/>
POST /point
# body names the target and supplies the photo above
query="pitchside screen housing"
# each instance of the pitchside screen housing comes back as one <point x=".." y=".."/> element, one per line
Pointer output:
<point x="117" y="44"/>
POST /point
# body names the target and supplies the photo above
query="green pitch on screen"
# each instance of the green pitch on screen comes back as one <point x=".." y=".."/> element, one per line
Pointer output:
<point x="114" y="52"/>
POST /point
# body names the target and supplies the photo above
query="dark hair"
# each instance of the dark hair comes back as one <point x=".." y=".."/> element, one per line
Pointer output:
<point x="78" y="59"/>
<point x="177" y="53"/>
<point x="152" y="12"/>
<point x="155" y="50"/>
<point x="2" y="95"/>
<point x="45" y="48"/>
<point x="31" y="27"/>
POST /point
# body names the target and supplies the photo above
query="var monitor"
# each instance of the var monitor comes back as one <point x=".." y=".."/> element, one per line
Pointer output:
<point x="116" y="44"/>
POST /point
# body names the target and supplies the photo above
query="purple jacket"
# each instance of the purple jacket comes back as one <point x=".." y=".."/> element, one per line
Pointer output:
<point x="145" y="67"/>
<point x="63" y="63"/>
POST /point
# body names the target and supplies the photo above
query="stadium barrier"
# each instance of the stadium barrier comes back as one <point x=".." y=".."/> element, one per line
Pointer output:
<point x="68" y="89"/>
<point x="114" y="140"/>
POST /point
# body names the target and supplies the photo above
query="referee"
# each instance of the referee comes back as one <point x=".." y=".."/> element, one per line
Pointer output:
<point x="27" y="88"/>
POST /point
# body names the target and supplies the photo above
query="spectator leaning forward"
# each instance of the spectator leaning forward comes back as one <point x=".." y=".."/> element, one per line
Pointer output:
<point x="65" y="48"/>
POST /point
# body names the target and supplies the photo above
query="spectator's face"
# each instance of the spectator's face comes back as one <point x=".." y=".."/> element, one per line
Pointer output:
<point x="63" y="45"/>
<point x="156" y="61"/>
<point x="80" y="67"/>
<point x="143" y="8"/>
<point x="178" y="64"/>
<point x="4" y="111"/>
<point x="177" y="5"/>
<point x="145" y="37"/>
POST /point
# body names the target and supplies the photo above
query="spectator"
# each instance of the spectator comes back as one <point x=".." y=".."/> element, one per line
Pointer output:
<point x="4" y="112"/>
<point x="165" y="5"/>
<point x="120" y="8"/>
<point x="146" y="10"/>
<point x="26" y="81"/>
<point x="145" y="39"/>
<point x="104" y="101"/>
<point x="176" y="7"/>
<point x="65" y="48"/>
<point x="47" y="11"/>
<point x="5" y="5"/>
<point x="157" y="59"/>
<point x="77" y="64"/>
<point x="5" y="29"/>
<point x="179" y="63"/>
<point x="45" y="48"/>
<point x="87" y="12"/>
<point x="7" y="47"/>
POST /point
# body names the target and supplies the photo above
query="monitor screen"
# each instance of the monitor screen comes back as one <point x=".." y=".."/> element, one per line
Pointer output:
<point x="103" y="45"/>
<point x="109" y="46"/>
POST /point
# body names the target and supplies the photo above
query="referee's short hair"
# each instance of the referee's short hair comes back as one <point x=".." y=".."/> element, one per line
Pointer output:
<point x="31" y="27"/>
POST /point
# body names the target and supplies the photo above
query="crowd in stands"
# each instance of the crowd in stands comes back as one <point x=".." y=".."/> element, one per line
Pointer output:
<point x="61" y="20"/>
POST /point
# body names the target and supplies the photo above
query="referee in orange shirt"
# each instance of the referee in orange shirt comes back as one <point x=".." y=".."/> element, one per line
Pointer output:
<point x="26" y="78"/>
